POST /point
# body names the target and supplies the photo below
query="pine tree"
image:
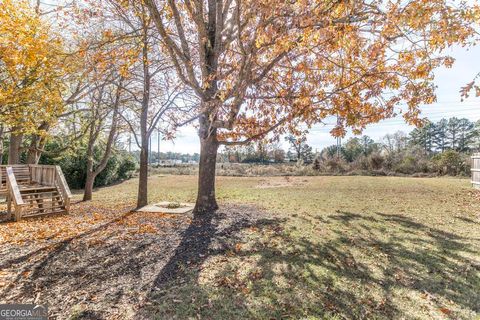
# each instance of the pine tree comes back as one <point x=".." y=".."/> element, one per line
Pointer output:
<point x="424" y="136"/>
<point x="475" y="145"/>
<point x="440" y="138"/>
<point x="465" y="135"/>
<point x="453" y="129"/>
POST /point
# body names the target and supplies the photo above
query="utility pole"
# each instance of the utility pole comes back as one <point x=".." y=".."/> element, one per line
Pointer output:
<point x="150" y="150"/>
<point x="158" y="145"/>
<point x="339" y="139"/>
<point x="339" y="146"/>
<point x="129" y="143"/>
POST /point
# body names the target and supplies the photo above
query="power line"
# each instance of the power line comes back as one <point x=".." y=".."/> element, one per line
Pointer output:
<point x="397" y="122"/>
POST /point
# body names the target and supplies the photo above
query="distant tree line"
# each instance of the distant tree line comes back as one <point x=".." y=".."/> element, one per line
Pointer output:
<point x="156" y="157"/>
<point x="441" y="147"/>
<point x="461" y="135"/>
<point x="270" y="152"/>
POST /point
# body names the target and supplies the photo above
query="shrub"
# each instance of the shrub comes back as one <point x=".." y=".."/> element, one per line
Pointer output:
<point x="316" y="164"/>
<point x="127" y="166"/>
<point x="408" y="165"/>
<point x="335" y="165"/>
<point x="375" y="161"/>
<point x="361" y="163"/>
<point x="450" y="163"/>
<point x="120" y="166"/>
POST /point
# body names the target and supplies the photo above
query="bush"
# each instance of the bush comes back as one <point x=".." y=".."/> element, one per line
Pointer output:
<point x="316" y="164"/>
<point x="375" y="161"/>
<point x="413" y="161"/>
<point x="127" y="166"/>
<point x="120" y="166"/>
<point x="450" y="163"/>
<point x="335" y="165"/>
<point x="408" y="165"/>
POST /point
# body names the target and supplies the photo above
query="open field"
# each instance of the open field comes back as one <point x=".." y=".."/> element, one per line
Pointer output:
<point x="280" y="247"/>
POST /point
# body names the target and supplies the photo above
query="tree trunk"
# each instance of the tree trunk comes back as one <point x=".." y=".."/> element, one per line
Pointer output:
<point x="33" y="153"/>
<point x="206" y="201"/>
<point x="14" y="148"/>
<point x="1" y="145"/>
<point x="37" y="144"/>
<point x="87" y="194"/>
<point x="142" y="198"/>
<point x="88" y="190"/>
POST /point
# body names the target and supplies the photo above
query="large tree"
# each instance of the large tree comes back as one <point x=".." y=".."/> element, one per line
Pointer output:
<point x="265" y="66"/>
<point x="41" y="74"/>
<point x="32" y="66"/>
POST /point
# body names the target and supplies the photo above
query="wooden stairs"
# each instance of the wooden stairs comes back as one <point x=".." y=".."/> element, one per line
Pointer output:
<point x="33" y="190"/>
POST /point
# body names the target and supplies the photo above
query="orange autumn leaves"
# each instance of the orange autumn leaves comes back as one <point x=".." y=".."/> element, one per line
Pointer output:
<point x="32" y="64"/>
<point x="472" y="87"/>
<point x="363" y="61"/>
<point x="283" y="63"/>
<point x="91" y="223"/>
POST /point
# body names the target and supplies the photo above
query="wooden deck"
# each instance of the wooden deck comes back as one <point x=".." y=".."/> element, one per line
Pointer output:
<point x="33" y="190"/>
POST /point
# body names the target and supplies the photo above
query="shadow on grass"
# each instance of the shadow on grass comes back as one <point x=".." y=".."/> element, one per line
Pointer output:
<point x="242" y="263"/>
<point x="36" y="263"/>
<point x="357" y="266"/>
<point x="96" y="273"/>
<point x="208" y="234"/>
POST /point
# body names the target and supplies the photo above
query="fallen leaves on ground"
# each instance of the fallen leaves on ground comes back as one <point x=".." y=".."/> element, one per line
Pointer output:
<point x="83" y="217"/>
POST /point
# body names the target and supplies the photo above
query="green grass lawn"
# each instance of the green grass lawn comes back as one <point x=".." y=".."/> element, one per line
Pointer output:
<point x="336" y="247"/>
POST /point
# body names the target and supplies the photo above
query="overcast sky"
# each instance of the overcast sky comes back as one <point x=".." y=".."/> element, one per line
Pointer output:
<point x="449" y="82"/>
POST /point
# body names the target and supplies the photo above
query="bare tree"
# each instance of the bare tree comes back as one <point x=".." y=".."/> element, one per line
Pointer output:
<point x="157" y="100"/>
<point x="104" y="118"/>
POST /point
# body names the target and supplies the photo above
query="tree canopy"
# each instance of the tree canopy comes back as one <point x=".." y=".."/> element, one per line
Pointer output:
<point x="241" y="70"/>
<point x="32" y="67"/>
<point x="265" y="65"/>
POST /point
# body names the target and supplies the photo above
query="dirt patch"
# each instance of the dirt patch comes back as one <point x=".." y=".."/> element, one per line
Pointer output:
<point x="168" y="207"/>
<point x="281" y="182"/>
<point x="102" y="263"/>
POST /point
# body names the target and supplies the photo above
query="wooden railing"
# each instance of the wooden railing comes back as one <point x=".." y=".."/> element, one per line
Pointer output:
<point x="63" y="187"/>
<point x="44" y="175"/>
<point x="52" y="176"/>
<point x="14" y="194"/>
<point x="23" y="178"/>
